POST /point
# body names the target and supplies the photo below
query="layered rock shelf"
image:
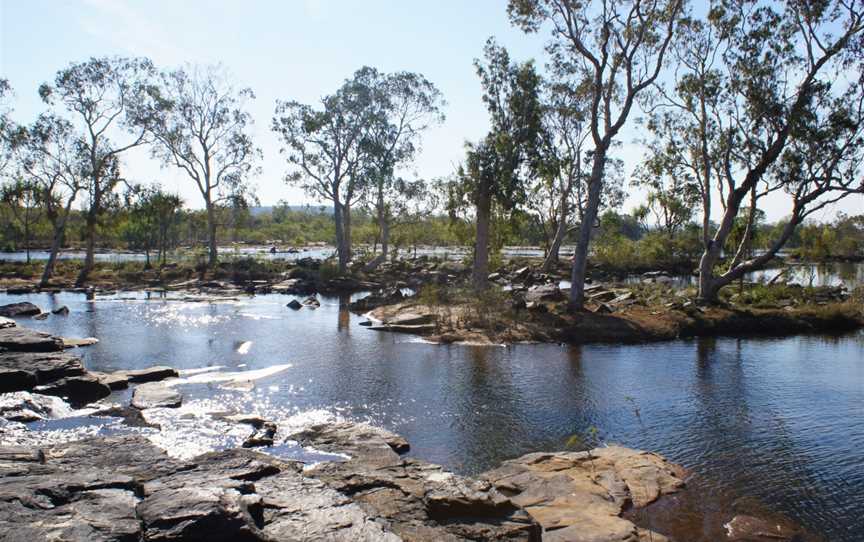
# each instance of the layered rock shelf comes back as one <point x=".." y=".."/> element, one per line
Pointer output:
<point x="125" y="488"/>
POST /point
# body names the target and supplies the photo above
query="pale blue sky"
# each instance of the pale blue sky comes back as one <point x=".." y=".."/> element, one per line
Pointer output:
<point x="291" y="49"/>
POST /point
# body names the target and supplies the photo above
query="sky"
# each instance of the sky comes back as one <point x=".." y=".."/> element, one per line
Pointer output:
<point x="289" y="50"/>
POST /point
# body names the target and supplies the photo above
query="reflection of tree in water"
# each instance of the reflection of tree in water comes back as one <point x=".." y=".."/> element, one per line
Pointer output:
<point x="343" y="322"/>
<point x="740" y="437"/>
<point x="488" y="409"/>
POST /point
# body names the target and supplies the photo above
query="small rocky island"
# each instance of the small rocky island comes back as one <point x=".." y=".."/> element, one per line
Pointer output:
<point x="125" y="488"/>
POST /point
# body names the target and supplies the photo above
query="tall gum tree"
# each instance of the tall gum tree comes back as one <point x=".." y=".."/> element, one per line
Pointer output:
<point x="326" y="148"/>
<point x="496" y="169"/>
<point x="7" y="127"/>
<point x="767" y="102"/>
<point x="52" y="155"/>
<point x="407" y="104"/>
<point x="619" y="47"/>
<point x="199" y="124"/>
<point x="554" y="195"/>
<point x="100" y="96"/>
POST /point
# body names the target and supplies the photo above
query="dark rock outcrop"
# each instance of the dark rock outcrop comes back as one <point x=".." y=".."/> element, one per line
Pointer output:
<point x="21" y="371"/>
<point x="151" y="374"/>
<point x="21" y="339"/>
<point x="17" y="310"/>
<point x="78" y="390"/>
<point x="376" y="300"/>
<point x="124" y="488"/>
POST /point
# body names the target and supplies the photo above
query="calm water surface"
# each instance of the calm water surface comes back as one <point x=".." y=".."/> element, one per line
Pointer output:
<point x="778" y="420"/>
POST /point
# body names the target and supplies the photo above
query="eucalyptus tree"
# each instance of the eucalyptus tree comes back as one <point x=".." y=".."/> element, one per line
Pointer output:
<point x="326" y="149"/>
<point x="674" y="195"/>
<point x="768" y="102"/>
<point x="152" y="214"/>
<point x="7" y="127"/>
<point x="52" y="155"/>
<point x="406" y="105"/>
<point x="200" y="125"/>
<point x="22" y="199"/>
<point x="557" y="193"/>
<point x="497" y="168"/>
<point x="102" y="95"/>
<point x="619" y="48"/>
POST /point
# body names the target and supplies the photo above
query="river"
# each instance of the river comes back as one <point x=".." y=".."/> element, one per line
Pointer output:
<point x="778" y="421"/>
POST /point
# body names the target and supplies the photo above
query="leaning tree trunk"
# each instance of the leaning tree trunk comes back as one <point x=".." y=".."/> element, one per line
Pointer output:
<point x="480" y="273"/>
<point x="56" y="242"/>
<point x="589" y="216"/>
<point x="552" y="256"/>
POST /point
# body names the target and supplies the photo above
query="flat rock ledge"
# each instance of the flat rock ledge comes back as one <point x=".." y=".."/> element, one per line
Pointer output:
<point x="123" y="488"/>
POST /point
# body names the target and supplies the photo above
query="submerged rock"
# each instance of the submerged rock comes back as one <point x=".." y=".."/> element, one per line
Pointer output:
<point x="750" y="529"/>
<point x="154" y="395"/>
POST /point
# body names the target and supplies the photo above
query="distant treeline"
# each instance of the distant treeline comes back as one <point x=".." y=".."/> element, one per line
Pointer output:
<point x="622" y="241"/>
<point x="737" y="104"/>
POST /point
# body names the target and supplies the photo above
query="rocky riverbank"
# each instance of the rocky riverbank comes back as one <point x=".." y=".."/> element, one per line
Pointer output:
<point x="125" y="487"/>
<point x="535" y="310"/>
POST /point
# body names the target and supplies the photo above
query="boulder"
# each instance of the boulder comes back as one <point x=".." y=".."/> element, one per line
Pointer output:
<point x="17" y="310"/>
<point x="21" y="339"/>
<point x="155" y="395"/>
<point x="380" y="299"/>
<point x="23" y="406"/>
<point x="311" y="302"/>
<point x="62" y="310"/>
<point x="411" y="319"/>
<point x="115" y="381"/>
<point x="263" y="435"/>
<point x="410" y="498"/>
<point x="6" y="322"/>
<point x="22" y="371"/>
<point x="69" y="342"/>
<point x="544" y="292"/>
<point x="78" y="390"/>
<point x="151" y="374"/>
<point x="581" y="495"/>
<point x="19" y="290"/>
<point x="295" y="305"/>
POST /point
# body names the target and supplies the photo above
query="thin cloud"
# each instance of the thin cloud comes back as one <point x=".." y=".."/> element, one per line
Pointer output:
<point x="127" y="29"/>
